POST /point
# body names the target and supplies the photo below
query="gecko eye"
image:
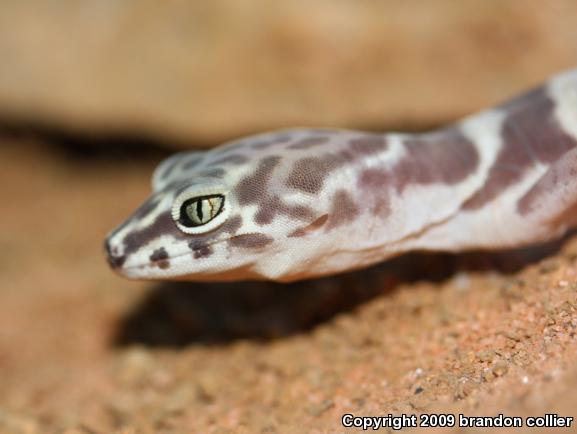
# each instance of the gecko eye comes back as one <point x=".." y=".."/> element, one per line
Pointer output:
<point x="198" y="211"/>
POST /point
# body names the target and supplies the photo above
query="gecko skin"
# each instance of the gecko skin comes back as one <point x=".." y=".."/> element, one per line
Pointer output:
<point x="302" y="203"/>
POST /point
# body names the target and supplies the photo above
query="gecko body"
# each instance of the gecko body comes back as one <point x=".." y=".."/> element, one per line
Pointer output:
<point x="302" y="203"/>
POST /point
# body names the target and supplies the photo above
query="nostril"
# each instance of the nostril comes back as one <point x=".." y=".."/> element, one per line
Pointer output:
<point x="114" y="260"/>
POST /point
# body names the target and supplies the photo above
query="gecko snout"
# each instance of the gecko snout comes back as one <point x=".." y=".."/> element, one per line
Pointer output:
<point x="114" y="259"/>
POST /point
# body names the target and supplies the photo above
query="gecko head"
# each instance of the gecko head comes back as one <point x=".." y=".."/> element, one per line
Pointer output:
<point x="225" y="214"/>
<point x="189" y="231"/>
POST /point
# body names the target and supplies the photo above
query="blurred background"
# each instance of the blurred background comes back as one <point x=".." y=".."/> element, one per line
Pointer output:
<point x="194" y="73"/>
<point x="93" y="93"/>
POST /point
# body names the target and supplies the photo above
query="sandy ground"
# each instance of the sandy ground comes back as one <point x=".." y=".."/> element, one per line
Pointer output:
<point x="84" y="351"/>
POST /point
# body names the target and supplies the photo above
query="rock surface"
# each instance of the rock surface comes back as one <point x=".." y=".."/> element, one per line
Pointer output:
<point x="196" y="73"/>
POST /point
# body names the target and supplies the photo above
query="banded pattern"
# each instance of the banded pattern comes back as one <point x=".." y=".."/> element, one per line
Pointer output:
<point x="309" y="202"/>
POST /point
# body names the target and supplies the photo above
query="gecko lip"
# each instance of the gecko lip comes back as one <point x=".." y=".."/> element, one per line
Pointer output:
<point x="116" y="262"/>
<point x="156" y="263"/>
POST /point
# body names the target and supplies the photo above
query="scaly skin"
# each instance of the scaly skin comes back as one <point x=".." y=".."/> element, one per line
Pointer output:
<point x="302" y="203"/>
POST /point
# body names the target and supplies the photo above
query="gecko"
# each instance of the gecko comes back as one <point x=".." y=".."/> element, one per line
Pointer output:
<point x="303" y="203"/>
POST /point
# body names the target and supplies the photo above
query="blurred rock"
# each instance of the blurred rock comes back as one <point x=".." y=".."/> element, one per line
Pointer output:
<point x="199" y="72"/>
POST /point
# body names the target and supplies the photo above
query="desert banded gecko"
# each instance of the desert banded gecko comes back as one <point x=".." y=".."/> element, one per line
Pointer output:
<point x="301" y="203"/>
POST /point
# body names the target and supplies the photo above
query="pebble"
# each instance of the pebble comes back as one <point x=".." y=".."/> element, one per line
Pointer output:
<point x="317" y="410"/>
<point x="486" y="355"/>
<point x="500" y="368"/>
<point x="462" y="390"/>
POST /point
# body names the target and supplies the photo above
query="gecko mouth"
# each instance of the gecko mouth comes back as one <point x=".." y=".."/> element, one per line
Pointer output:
<point x="165" y="262"/>
<point x="116" y="262"/>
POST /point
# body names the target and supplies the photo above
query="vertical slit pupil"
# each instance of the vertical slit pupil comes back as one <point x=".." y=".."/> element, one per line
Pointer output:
<point x="199" y="209"/>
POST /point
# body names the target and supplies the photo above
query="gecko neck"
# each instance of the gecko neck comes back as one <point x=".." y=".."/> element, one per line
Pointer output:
<point x="510" y="199"/>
